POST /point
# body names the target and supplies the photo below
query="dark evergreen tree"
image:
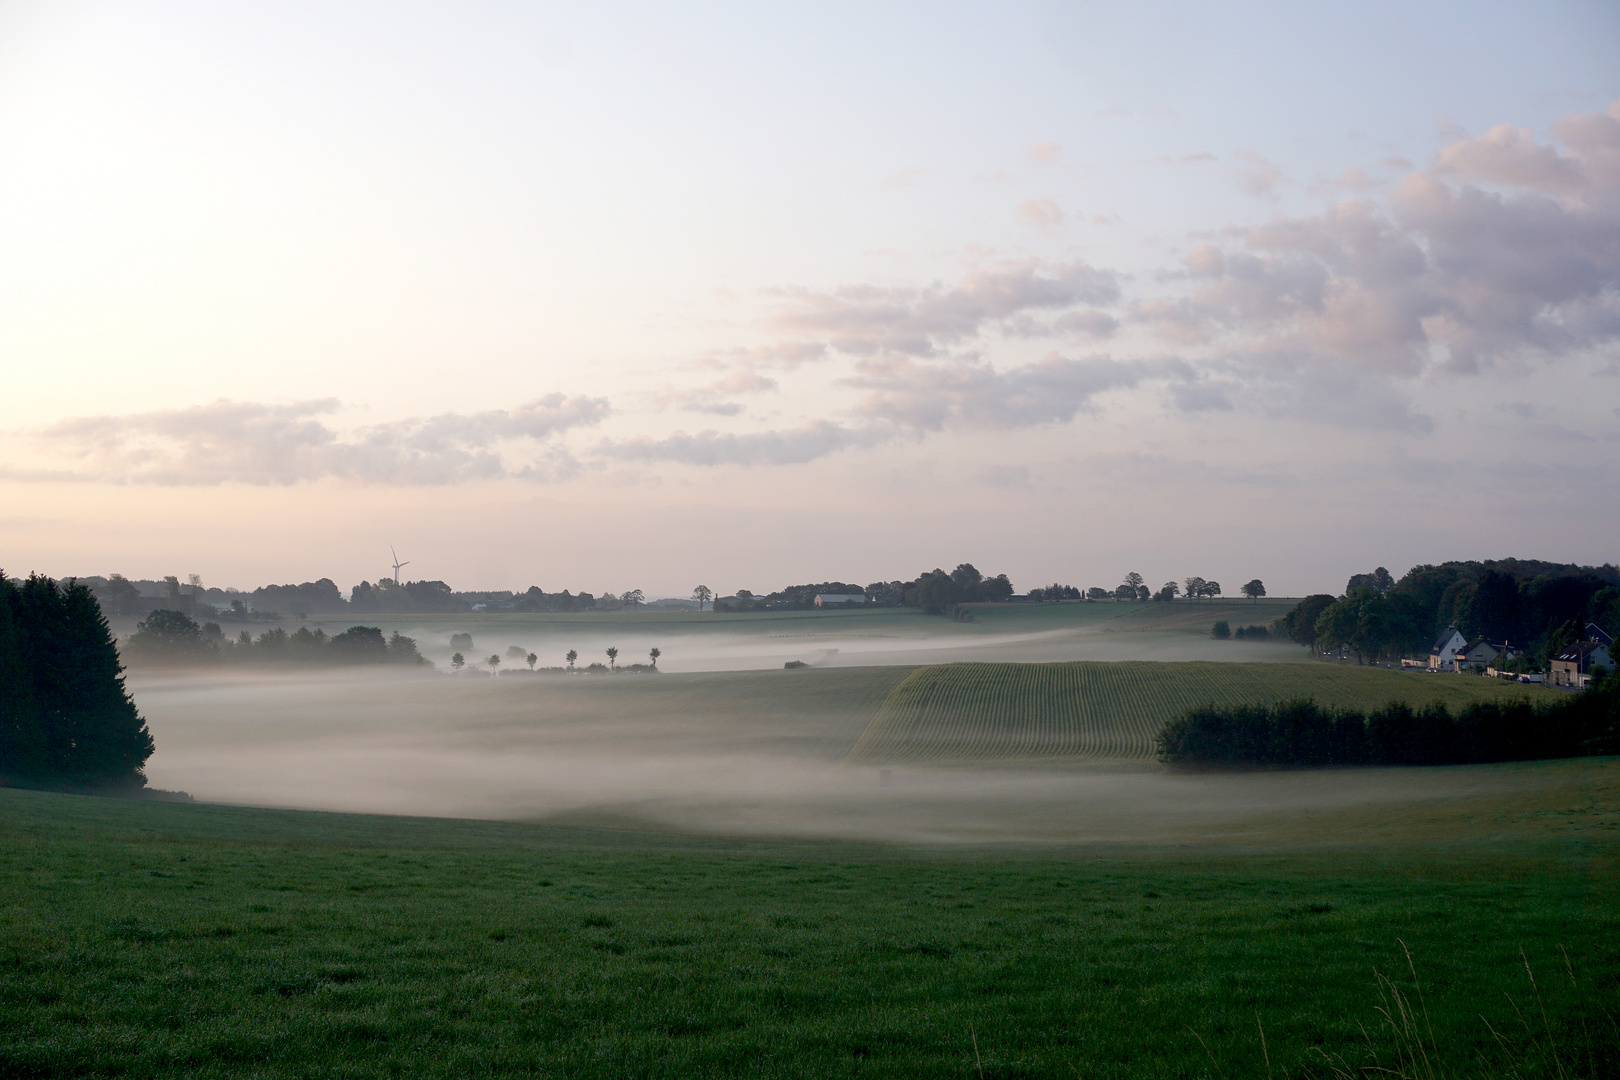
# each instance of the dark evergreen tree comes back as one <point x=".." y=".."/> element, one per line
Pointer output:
<point x="68" y="718"/>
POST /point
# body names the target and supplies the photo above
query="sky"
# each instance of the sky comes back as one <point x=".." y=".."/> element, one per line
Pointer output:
<point x="618" y="296"/>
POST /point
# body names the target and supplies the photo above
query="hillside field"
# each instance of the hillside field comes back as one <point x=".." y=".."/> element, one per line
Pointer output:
<point x="1084" y="711"/>
<point x="157" y="940"/>
<point x="708" y="641"/>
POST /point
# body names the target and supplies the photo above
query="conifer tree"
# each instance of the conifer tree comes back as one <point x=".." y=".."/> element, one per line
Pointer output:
<point x="65" y="716"/>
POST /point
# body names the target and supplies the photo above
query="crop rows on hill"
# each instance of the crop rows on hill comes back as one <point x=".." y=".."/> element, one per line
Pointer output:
<point x="1091" y="711"/>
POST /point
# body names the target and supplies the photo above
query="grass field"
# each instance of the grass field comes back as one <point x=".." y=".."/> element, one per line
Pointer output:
<point x="709" y="641"/>
<point x="160" y="940"/>
<point x="1091" y="711"/>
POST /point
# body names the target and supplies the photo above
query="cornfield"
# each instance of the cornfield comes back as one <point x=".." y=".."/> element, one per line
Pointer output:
<point x="976" y="712"/>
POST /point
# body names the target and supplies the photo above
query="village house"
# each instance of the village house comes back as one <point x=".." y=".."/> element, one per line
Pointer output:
<point x="1476" y="656"/>
<point x="1573" y="666"/>
<point x="1443" y="655"/>
<point x="825" y="599"/>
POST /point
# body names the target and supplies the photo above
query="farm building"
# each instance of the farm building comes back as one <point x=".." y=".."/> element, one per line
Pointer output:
<point x="1443" y="655"/>
<point x="826" y="599"/>
<point x="1573" y="666"/>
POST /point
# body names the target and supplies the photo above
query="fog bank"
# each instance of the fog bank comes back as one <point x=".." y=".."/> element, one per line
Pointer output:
<point x="747" y="753"/>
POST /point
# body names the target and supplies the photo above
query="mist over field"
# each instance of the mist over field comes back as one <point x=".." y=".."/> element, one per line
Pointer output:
<point x="725" y="754"/>
<point x="692" y="642"/>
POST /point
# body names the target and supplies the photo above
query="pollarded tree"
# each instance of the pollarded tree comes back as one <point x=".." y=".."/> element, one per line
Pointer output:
<point x="653" y="654"/>
<point x="494" y="661"/>
<point x="613" y="657"/>
<point x="457" y="661"/>
<point x="703" y="595"/>
<point x="1255" y="589"/>
<point x="571" y="657"/>
<point x="532" y="658"/>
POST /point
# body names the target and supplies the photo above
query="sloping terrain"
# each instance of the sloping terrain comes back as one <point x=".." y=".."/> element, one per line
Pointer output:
<point x="978" y="712"/>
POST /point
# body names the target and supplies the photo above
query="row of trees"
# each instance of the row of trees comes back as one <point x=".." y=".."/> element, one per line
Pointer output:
<point x="65" y="717"/>
<point x="173" y="638"/>
<point x="937" y="592"/>
<point x="515" y="652"/>
<point x="1303" y="733"/>
<point x="1538" y="607"/>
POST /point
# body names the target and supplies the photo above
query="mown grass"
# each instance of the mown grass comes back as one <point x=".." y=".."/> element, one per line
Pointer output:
<point x="159" y="940"/>
<point x="977" y="712"/>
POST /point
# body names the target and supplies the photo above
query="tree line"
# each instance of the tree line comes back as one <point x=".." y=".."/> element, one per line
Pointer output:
<point x="460" y="664"/>
<point x="174" y="638"/>
<point x="1302" y="733"/>
<point x="938" y="592"/>
<point x="65" y="717"/>
<point x="1538" y="607"/>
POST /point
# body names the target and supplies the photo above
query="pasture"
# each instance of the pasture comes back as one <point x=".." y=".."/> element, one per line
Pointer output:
<point x="709" y="641"/>
<point x="1083" y="711"/>
<point x="823" y="752"/>
<point x="146" y="940"/>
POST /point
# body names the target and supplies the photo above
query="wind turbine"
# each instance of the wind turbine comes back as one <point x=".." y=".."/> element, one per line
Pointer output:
<point x="397" y="563"/>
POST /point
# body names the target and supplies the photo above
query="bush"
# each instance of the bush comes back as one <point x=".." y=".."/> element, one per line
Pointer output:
<point x="1222" y="629"/>
<point x="1303" y="733"/>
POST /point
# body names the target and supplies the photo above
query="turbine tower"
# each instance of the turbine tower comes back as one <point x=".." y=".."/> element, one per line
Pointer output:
<point x="397" y="563"/>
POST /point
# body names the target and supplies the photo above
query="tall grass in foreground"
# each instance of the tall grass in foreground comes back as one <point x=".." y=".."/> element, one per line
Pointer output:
<point x="1402" y="1044"/>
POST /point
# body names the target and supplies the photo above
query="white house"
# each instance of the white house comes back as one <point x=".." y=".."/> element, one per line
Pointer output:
<point x="825" y="599"/>
<point x="1443" y="655"/>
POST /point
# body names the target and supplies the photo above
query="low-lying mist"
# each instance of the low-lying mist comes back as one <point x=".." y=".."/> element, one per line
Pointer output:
<point x="739" y="753"/>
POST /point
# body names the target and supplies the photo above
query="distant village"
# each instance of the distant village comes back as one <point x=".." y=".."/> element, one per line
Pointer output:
<point x="1524" y="620"/>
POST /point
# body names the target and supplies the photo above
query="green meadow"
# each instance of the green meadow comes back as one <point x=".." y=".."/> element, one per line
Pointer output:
<point x="901" y="868"/>
<point x="154" y="939"/>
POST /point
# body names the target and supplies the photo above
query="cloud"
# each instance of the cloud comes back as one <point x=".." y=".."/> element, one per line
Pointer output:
<point x="867" y="320"/>
<point x="1045" y="151"/>
<point x="1510" y="155"/>
<point x="255" y="443"/>
<point x="1504" y="251"/>
<point x="904" y="177"/>
<point x="1041" y="213"/>
<point x="932" y="397"/>
<point x="793" y="447"/>
<point x="712" y="398"/>
<point x="1257" y="176"/>
<point x="1005" y="476"/>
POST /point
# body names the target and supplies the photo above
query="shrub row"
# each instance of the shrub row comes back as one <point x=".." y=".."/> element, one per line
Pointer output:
<point x="1303" y="733"/>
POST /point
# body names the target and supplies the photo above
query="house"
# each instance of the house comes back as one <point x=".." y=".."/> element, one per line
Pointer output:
<point x="1443" y="654"/>
<point x="1594" y="632"/>
<point x="1477" y="655"/>
<point x="1497" y="668"/>
<point x="826" y="599"/>
<point x="1573" y="666"/>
